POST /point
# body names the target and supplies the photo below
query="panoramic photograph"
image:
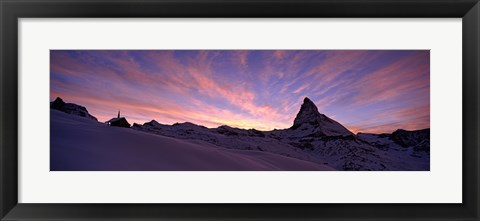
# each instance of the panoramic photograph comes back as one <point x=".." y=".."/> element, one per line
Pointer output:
<point x="239" y="110"/>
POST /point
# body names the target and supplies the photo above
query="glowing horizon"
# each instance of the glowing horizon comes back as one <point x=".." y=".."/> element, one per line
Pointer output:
<point x="375" y="91"/>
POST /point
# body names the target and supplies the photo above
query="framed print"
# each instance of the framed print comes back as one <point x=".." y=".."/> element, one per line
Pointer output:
<point x="254" y="133"/>
<point x="226" y="110"/>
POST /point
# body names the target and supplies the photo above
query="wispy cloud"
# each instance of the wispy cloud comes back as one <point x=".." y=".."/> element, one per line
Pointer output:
<point x="371" y="91"/>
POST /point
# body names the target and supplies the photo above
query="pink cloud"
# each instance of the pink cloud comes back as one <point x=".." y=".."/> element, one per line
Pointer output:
<point x="195" y="76"/>
<point x="168" y="92"/>
<point x="398" y="78"/>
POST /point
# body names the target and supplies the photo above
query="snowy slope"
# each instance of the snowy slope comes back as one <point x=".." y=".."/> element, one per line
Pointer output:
<point x="227" y="137"/>
<point x="354" y="152"/>
<point x="314" y="142"/>
<point x="79" y="143"/>
<point x="316" y="138"/>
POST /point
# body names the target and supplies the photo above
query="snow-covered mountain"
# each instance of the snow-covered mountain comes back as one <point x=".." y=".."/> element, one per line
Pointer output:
<point x="310" y="122"/>
<point x="71" y="108"/>
<point x="314" y="138"/>
<point x="317" y="138"/>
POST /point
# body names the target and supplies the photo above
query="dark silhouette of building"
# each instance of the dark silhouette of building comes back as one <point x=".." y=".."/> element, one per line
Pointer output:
<point x="118" y="121"/>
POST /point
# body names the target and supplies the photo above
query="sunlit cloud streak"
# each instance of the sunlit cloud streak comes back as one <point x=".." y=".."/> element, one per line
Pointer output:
<point x="375" y="91"/>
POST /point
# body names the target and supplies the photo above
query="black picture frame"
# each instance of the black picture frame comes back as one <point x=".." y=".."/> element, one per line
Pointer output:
<point x="12" y="10"/>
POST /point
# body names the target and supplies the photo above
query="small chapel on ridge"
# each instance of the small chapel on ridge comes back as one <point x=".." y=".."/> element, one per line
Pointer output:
<point x="118" y="121"/>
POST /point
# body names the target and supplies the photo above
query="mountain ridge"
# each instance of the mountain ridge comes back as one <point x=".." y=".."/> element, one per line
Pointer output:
<point x="316" y="138"/>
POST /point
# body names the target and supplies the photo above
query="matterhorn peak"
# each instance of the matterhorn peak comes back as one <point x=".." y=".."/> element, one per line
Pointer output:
<point x="308" y="112"/>
<point x="311" y="121"/>
<point x="308" y="101"/>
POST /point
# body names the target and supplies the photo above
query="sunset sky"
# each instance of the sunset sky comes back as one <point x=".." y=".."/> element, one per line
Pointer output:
<point x="366" y="91"/>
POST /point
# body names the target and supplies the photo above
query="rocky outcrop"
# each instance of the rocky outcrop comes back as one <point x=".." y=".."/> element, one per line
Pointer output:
<point x="312" y="122"/>
<point x="71" y="108"/>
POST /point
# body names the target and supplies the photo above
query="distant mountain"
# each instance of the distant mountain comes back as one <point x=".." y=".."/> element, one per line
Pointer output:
<point x="71" y="108"/>
<point x="417" y="140"/>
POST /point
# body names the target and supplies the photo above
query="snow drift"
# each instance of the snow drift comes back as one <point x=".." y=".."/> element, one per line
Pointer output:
<point x="83" y="144"/>
<point x="314" y="142"/>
